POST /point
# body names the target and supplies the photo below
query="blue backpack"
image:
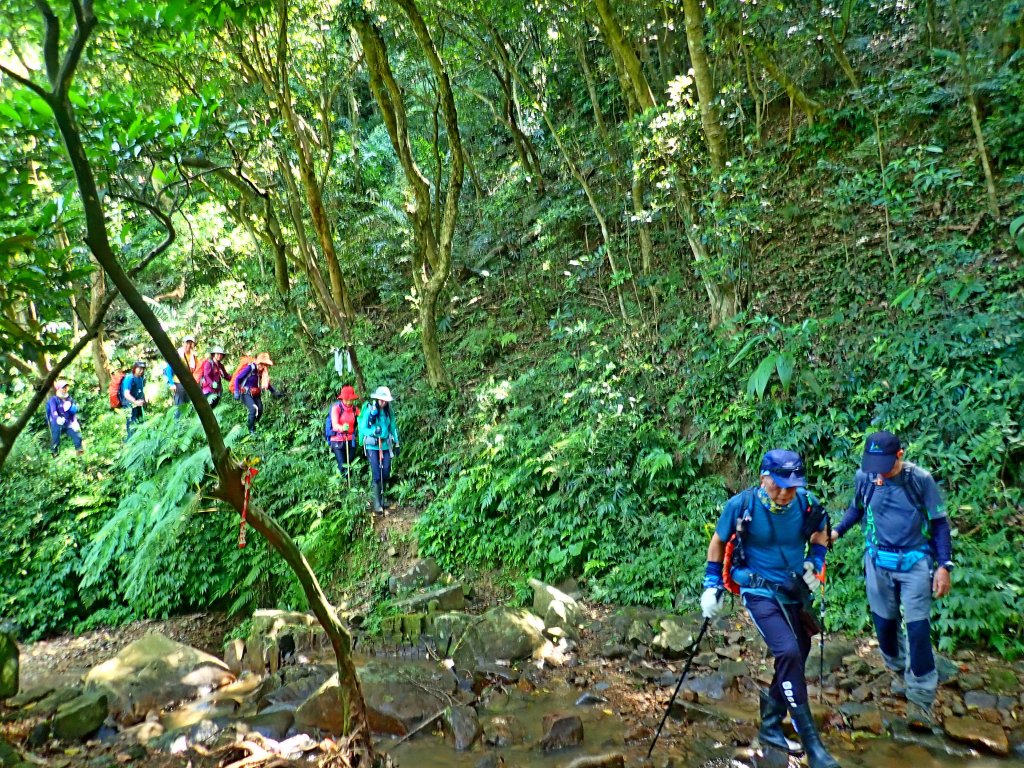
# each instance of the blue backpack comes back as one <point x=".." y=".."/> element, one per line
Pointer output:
<point x="328" y="428"/>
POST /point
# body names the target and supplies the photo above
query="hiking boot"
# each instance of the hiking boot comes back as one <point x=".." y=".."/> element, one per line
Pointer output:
<point x="897" y="686"/>
<point x="378" y="504"/>
<point x="773" y="712"/>
<point x="817" y="755"/>
<point x="920" y="717"/>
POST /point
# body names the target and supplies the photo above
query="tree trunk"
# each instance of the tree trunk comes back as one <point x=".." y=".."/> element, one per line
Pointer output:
<point x="581" y="54"/>
<point x="801" y="100"/>
<point x="624" y="50"/>
<point x="714" y="133"/>
<point x="97" y="295"/>
<point x="432" y="260"/>
<point x="229" y="471"/>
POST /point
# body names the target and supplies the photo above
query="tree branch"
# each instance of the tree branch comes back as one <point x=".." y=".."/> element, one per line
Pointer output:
<point x="38" y="89"/>
<point x="51" y="42"/>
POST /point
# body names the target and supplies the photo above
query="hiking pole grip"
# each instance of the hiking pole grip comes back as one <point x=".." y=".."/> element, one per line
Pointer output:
<point x="686" y="669"/>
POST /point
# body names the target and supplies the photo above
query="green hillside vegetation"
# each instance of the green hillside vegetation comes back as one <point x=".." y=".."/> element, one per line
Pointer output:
<point x="648" y="288"/>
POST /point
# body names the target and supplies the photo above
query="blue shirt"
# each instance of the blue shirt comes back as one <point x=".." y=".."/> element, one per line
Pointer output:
<point x="135" y="386"/>
<point x="898" y="523"/>
<point x="774" y="543"/>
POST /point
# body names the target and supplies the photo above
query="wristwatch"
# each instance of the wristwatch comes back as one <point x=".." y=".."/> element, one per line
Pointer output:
<point x="948" y="565"/>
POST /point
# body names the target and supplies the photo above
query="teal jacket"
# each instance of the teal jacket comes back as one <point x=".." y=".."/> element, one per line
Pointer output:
<point x="370" y="418"/>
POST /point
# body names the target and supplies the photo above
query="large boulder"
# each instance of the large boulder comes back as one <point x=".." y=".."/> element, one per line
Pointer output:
<point x="422" y="573"/>
<point x="80" y="717"/>
<point x="447" y="598"/>
<point x="463" y="726"/>
<point x="398" y="698"/>
<point x="505" y="633"/>
<point x="977" y="733"/>
<point x="8" y="666"/>
<point x="556" y="608"/>
<point x="675" y="637"/>
<point x="154" y="673"/>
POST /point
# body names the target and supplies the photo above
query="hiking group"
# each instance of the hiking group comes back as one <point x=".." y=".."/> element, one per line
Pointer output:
<point x="350" y="430"/>
<point x="769" y="548"/>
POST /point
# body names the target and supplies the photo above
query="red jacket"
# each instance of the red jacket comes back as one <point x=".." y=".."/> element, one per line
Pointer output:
<point x="341" y="415"/>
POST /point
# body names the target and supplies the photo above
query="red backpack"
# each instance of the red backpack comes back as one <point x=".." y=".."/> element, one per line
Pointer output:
<point x="243" y="363"/>
<point x="114" y="390"/>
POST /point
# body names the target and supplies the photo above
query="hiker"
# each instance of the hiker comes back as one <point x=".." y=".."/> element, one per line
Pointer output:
<point x="379" y="437"/>
<point x="250" y="382"/>
<point x="62" y="416"/>
<point x="344" y="425"/>
<point x="212" y="375"/>
<point x="133" y="394"/>
<point x="780" y="549"/>
<point x="187" y="353"/>
<point x="906" y="533"/>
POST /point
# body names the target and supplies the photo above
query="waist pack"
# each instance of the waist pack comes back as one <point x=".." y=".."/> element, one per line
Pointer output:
<point x="894" y="560"/>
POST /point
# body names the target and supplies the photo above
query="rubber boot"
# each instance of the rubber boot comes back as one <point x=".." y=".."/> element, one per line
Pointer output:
<point x="378" y="506"/>
<point x="817" y="755"/>
<point x="772" y="714"/>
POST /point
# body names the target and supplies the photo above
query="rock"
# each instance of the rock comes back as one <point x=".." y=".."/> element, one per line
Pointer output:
<point x="869" y="720"/>
<point x="30" y="696"/>
<point x="835" y="649"/>
<point x="710" y="687"/>
<point x="398" y="698"/>
<point x="1002" y="680"/>
<point x="289" y="688"/>
<point x="422" y="573"/>
<point x="561" y="732"/>
<point x="234" y="650"/>
<point x="276" y="634"/>
<point x="861" y="693"/>
<point x="269" y="725"/>
<point x="970" y="682"/>
<point x="948" y="670"/>
<point x="980" y="700"/>
<point x="38" y="736"/>
<point x="490" y="761"/>
<point x="556" y="608"/>
<point x="613" y="760"/>
<point x="505" y="633"/>
<point x="463" y="725"/>
<point x="588" y="699"/>
<point x="613" y="651"/>
<point x="733" y="652"/>
<point x="978" y="733"/>
<point x="639" y="633"/>
<point x="49" y="704"/>
<point x="450" y="598"/>
<point x="675" y="640"/>
<point x="80" y="717"/>
<point x="503" y="731"/>
<point x="153" y="673"/>
<point x="8" y="666"/>
<point x="731" y="670"/>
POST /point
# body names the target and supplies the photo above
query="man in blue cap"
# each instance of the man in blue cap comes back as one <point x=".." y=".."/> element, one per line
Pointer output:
<point x="780" y="549"/>
<point x="908" y="559"/>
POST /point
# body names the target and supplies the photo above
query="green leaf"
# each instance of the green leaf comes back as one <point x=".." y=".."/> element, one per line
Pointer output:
<point x="784" y="364"/>
<point x="759" y="379"/>
<point x="1017" y="232"/>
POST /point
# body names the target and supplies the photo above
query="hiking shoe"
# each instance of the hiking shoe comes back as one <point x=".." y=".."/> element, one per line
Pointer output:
<point x="897" y="686"/>
<point x="920" y="717"/>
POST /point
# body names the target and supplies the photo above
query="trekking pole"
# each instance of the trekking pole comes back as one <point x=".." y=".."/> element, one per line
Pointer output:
<point x="821" y="613"/>
<point x="348" y="466"/>
<point x="380" y="469"/>
<point x="689" y="661"/>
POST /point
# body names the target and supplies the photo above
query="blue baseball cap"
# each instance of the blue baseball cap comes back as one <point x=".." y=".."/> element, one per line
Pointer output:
<point x="786" y="468"/>
<point x="880" y="453"/>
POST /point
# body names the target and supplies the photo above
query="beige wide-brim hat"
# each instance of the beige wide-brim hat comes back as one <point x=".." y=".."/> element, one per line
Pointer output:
<point x="382" y="393"/>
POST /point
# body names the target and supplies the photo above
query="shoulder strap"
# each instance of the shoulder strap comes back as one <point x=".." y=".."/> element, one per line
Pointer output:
<point x="913" y="491"/>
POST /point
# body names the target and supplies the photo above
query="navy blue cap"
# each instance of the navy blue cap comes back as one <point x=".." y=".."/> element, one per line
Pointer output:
<point x="880" y="453"/>
<point x="785" y="467"/>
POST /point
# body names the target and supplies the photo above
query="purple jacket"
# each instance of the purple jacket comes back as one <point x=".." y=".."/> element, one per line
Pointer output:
<point x="57" y="407"/>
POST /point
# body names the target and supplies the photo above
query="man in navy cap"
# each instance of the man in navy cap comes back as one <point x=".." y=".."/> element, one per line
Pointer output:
<point x="780" y="528"/>
<point x="907" y="561"/>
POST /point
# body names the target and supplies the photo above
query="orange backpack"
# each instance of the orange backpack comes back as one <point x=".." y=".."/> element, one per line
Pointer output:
<point x="243" y="363"/>
<point x="114" y="390"/>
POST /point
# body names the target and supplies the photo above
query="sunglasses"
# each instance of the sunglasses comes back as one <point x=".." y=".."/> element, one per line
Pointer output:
<point x="788" y="471"/>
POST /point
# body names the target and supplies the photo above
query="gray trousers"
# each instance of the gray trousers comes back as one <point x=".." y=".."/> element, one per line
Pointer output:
<point x="905" y="596"/>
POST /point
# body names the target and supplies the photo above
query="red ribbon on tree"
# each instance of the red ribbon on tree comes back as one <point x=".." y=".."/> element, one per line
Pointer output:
<point x="247" y="479"/>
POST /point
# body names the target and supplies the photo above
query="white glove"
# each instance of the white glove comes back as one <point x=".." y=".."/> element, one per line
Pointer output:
<point x="810" y="577"/>
<point x="61" y="420"/>
<point x="712" y="602"/>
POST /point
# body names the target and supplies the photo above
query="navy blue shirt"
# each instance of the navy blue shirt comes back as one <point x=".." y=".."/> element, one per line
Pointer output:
<point x="898" y="522"/>
<point x="775" y="547"/>
<point x="134" y="385"/>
